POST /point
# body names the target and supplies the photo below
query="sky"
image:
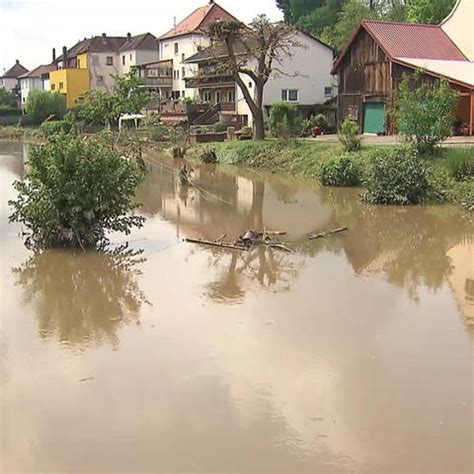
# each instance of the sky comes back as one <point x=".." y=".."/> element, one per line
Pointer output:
<point x="29" y="29"/>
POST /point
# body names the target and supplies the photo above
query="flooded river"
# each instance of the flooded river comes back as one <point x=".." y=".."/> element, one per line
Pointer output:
<point x="352" y="354"/>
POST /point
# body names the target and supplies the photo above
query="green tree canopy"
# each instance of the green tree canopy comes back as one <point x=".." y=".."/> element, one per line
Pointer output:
<point x="428" y="11"/>
<point x="42" y="104"/>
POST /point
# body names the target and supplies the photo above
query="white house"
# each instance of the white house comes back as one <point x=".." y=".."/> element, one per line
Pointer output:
<point x="36" y="79"/>
<point x="303" y="78"/>
<point x="184" y="40"/>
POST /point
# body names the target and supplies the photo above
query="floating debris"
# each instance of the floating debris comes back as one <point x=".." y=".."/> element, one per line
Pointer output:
<point x="86" y="379"/>
<point x="327" y="233"/>
<point x="246" y="241"/>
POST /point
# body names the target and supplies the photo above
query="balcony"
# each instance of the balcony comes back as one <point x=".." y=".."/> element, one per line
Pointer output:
<point x="215" y="80"/>
<point x="153" y="81"/>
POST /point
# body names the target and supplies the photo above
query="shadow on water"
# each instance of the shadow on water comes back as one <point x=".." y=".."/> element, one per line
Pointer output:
<point x="82" y="299"/>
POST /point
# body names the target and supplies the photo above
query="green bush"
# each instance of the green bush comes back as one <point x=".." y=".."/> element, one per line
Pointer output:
<point x="349" y="135"/>
<point x="340" y="171"/>
<point x="424" y="114"/>
<point x="55" y="127"/>
<point x="396" y="176"/>
<point x="159" y="133"/>
<point x="76" y="190"/>
<point x="220" y="127"/>
<point x="7" y="111"/>
<point x="43" y="104"/>
<point x="460" y="162"/>
<point x="282" y="119"/>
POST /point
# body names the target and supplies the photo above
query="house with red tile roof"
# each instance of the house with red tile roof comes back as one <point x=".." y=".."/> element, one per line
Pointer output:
<point x="372" y="63"/>
<point x="184" y="40"/>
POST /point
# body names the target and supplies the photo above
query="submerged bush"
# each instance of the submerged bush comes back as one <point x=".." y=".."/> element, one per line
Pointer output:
<point x="340" y="171"/>
<point x="460" y="163"/>
<point x="349" y="135"/>
<point x="396" y="176"/>
<point x="75" y="191"/>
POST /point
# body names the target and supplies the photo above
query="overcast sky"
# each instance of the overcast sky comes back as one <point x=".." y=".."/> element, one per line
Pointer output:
<point x="29" y="29"/>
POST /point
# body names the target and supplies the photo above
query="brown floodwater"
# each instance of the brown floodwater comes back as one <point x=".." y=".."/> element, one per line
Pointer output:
<point x="352" y="354"/>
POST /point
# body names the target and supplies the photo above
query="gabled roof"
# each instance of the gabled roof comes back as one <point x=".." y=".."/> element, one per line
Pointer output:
<point x="146" y="41"/>
<point x="407" y="40"/>
<point x="15" y="71"/>
<point x="39" y="71"/>
<point x="198" y="20"/>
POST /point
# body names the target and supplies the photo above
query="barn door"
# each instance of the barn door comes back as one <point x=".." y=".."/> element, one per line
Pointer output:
<point x="374" y="117"/>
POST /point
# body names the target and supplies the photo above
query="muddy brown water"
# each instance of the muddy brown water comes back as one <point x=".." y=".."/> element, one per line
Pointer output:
<point x="353" y="354"/>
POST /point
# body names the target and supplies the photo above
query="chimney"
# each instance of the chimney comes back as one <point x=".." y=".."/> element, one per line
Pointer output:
<point x="18" y="61"/>
<point x="104" y="35"/>
<point x="129" y="36"/>
<point x="65" y="57"/>
<point x="54" y="55"/>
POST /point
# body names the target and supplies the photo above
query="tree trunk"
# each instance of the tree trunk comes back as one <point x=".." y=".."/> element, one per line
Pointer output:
<point x="258" y="125"/>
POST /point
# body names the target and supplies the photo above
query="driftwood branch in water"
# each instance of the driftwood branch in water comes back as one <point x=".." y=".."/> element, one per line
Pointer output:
<point x="327" y="233"/>
<point x="278" y="245"/>
<point x="224" y="245"/>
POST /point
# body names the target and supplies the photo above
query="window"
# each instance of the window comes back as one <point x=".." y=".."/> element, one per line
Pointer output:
<point x="206" y="96"/>
<point x="176" y="49"/>
<point x="53" y="87"/>
<point x="78" y="64"/>
<point x="183" y="72"/>
<point x="231" y="96"/>
<point x="61" y="86"/>
<point x="289" y="95"/>
<point x="130" y="56"/>
<point x="182" y="58"/>
<point x="218" y="97"/>
<point x="123" y="59"/>
<point x="100" y="79"/>
<point x="109" y="61"/>
<point x="328" y="91"/>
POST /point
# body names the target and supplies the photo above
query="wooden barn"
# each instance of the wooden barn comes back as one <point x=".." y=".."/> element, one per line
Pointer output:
<point x="372" y="63"/>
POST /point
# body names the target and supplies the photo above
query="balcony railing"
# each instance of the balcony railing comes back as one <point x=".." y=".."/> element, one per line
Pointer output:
<point x="154" y="81"/>
<point x="209" y="81"/>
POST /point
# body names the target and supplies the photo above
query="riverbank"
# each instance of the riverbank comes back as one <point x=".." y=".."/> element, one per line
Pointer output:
<point x="302" y="158"/>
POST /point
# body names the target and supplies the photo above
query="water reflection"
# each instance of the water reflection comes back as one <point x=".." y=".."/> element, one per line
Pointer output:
<point x="82" y="299"/>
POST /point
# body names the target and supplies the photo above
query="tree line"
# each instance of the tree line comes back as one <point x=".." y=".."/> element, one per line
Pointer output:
<point x="333" y="21"/>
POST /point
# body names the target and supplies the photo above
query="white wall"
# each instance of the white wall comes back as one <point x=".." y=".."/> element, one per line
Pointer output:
<point x="187" y="45"/>
<point x="28" y="84"/>
<point x="8" y="83"/>
<point x="98" y="69"/>
<point x="308" y="70"/>
<point x="135" y="58"/>
<point x="458" y="26"/>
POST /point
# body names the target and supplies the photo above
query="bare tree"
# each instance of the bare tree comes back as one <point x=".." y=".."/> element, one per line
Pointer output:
<point x="255" y="51"/>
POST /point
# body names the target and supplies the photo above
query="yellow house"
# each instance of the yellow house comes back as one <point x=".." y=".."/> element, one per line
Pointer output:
<point x="73" y="82"/>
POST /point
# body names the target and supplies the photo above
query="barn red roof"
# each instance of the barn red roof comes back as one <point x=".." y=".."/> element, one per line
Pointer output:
<point x="199" y="19"/>
<point x="407" y="40"/>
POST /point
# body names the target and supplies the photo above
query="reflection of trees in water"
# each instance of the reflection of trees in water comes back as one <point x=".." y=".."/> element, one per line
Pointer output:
<point x="273" y="270"/>
<point x="82" y="299"/>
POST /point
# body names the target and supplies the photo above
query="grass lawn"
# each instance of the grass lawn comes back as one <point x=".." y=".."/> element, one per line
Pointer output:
<point x="303" y="158"/>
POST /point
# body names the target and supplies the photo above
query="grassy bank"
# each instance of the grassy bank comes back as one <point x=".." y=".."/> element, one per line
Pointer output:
<point x="304" y="158"/>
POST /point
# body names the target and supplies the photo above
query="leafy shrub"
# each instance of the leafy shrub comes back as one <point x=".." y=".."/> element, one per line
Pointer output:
<point x="349" y="135"/>
<point x="55" y="127"/>
<point x="340" y="171"/>
<point x="75" y="191"/>
<point x="43" y="104"/>
<point x="159" y="133"/>
<point x="396" y="176"/>
<point x="460" y="163"/>
<point x="246" y="133"/>
<point x="424" y="114"/>
<point x="319" y="120"/>
<point x="220" y="127"/>
<point x="282" y="119"/>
